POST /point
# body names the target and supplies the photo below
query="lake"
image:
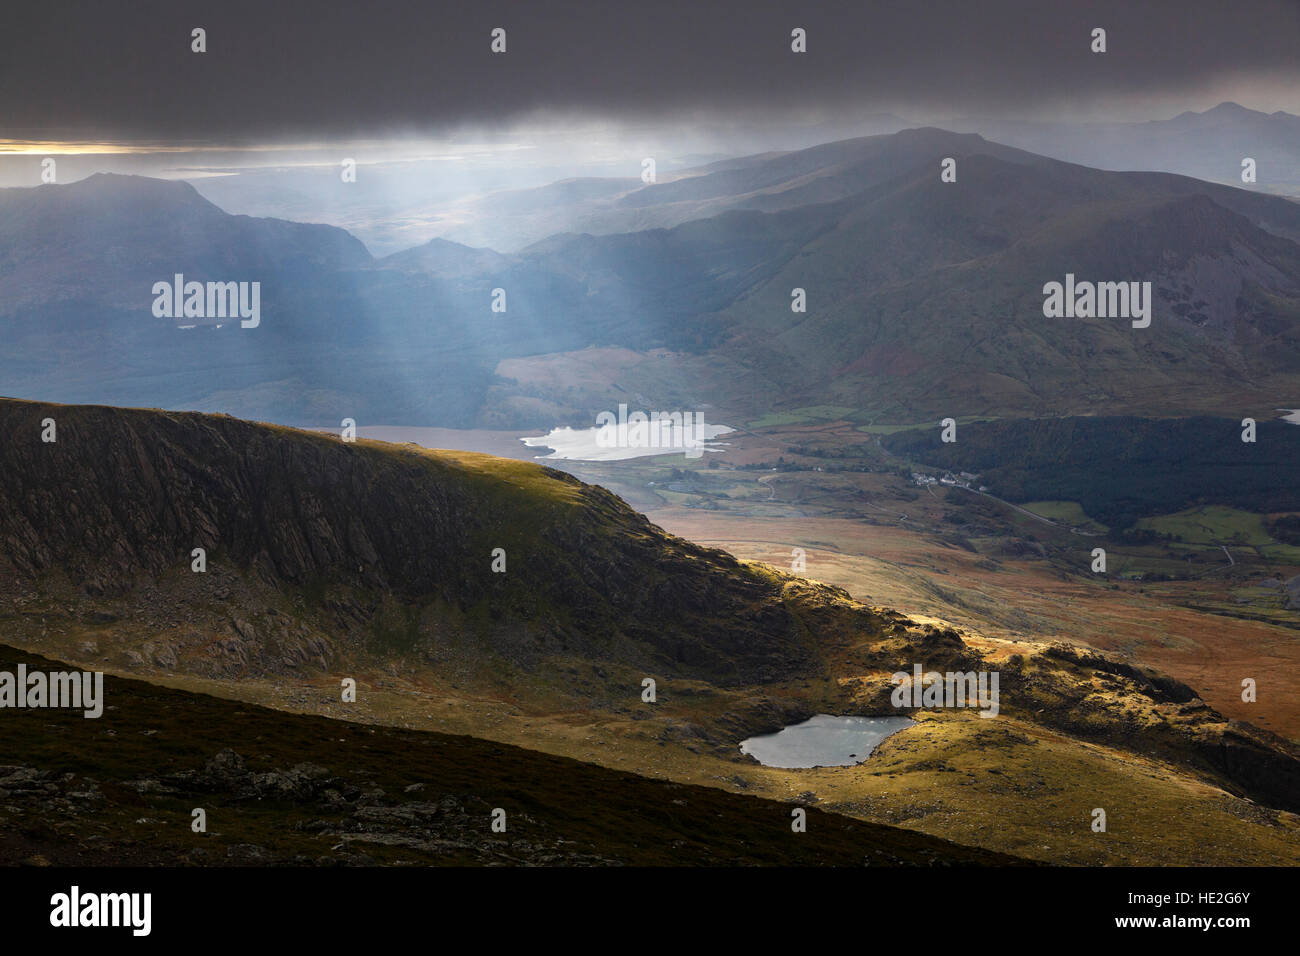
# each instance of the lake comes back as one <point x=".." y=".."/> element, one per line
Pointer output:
<point x="823" y="741"/>
<point x="571" y="444"/>
<point x="582" y="444"/>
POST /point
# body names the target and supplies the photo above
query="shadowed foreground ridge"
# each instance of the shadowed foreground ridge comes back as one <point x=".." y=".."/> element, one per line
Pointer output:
<point x="124" y="495"/>
<point x="287" y="789"/>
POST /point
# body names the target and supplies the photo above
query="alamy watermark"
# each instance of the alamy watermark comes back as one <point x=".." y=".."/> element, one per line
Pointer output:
<point x="928" y="689"/>
<point x="213" y="300"/>
<point x="75" y="909"/>
<point x="78" y="690"/>
<point x="679" y="430"/>
<point x="1098" y="300"/>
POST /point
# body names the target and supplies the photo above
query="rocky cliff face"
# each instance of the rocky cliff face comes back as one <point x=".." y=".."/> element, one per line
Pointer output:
<point x="386" y="540"/>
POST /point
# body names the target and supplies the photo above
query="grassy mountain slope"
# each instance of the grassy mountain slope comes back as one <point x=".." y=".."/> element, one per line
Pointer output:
<point x="925" y="298"/>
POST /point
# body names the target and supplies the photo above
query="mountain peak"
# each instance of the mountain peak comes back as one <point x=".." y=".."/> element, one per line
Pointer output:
<point x="1227" y="110"/>
<point x="117" y="191"/>
<point x="136" y="186"/>
<point x="1228" y="106"/>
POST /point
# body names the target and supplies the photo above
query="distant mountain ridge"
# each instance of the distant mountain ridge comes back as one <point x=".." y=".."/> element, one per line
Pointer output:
<point x="1209" y="145"/>
<point x="53" y="241"/>
<point x="924" y="297"/>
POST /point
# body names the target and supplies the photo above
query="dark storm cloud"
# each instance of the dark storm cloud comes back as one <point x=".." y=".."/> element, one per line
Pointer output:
<point x="125" y="70"/>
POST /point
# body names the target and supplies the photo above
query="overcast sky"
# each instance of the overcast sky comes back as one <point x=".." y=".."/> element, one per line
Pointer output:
<point x="312" y="70"/>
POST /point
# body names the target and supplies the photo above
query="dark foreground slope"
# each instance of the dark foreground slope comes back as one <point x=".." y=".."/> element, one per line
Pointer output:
<point x="283" y="789"/>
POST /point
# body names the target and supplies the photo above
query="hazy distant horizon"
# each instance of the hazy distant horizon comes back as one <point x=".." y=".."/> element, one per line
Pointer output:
<point x="560" y="146"/>
<point x="413" y="189"/>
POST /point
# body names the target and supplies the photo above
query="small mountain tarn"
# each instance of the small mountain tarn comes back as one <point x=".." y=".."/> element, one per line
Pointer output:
<point x="823" y="741"/>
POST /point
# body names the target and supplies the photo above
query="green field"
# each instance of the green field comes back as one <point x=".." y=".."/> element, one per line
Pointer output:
<point x="810" y="413"/>
<point x="1211" y="524"/>
<point x="1282" y="553"/>
<point x="892" y="429"/>
<point x="778" y="418"/>
<point x="885" y="429"/>
<point x="1068" y="513"/>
